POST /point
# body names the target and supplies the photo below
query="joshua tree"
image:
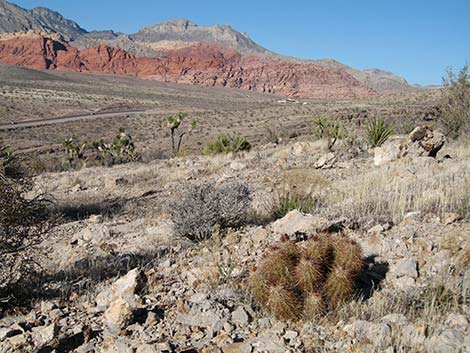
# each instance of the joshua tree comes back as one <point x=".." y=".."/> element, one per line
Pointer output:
<point x="174" y="123"/>
<point x="74" y="152"/>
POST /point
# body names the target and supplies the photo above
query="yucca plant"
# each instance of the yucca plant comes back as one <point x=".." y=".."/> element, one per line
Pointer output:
<point x="330" y="130"/>
<point x="378" y="132"/>
<point x="227" y="144"/>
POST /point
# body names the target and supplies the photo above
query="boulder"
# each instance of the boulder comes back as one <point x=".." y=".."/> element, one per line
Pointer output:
<point x="423" y="141"/>
<point x="125" y="287"/>
<point x="427" y="141"/>
<point x="297" y="222"/>
<point x="119" y="315"/>
<point x="390" y="151"/>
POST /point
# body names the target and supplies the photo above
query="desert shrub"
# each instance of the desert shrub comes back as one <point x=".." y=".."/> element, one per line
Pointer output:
<point x="332" y="131"/>
<point x="274" y="134"/>
<point x="302" y="281"/>
<point x="120" y="150"/>
<point x="22" y="223"/>
<point x="291" y="200"/>
<point x="10" y="166"/>
<point x="455" y="103"/>
<point x="378" y="131"/>
<point x="74" y="153"/>
<point x="206" y="206"/>
<point x="227" y="144"/>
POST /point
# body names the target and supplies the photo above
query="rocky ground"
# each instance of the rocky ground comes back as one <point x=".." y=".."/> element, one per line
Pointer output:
<point x="119" y="280"/>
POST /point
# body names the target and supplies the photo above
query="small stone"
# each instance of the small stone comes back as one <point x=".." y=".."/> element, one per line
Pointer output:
<point x="240" y="316"/>
<point x="10" y="332"/>
<point x="449" y="341"/>
<point x="259" y="235"/>
<point x="43" y="335"/>
<point x="397" y="319"/>
<point x="152" y="319"/>
<point x="223" y="339"/>
<point x="239" y="347"/>
<point x="127" y="286"/>
<point x="376" y="229"/>
<point x="227" y="327"/>
<point x="297" y="222"/>
<point x="379" y="334"/>
<point x="325" y="161"/>
<point x="198" y="298"/>
<point x="290" y="334"/>
<point x="450" y="218"/>
<point x="456" y="321"/>
<point x="406" y="267"/>
<point x="119" y="315"/>
<point x="237" y="166"/>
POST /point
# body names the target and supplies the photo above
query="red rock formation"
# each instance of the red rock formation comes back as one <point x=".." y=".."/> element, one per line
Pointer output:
<point x="200" y="64"/>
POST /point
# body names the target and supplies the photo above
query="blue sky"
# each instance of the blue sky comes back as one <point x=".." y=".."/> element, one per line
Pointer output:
<point x="416" y="39"/>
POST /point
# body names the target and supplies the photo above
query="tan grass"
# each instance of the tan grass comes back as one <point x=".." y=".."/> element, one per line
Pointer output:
<point x="393" y="191"/>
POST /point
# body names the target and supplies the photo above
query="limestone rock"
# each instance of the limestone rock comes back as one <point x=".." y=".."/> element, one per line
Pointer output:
<point x="297" y="222"/>
<point x="325" y="161"/>
<point x="129" y="285"/>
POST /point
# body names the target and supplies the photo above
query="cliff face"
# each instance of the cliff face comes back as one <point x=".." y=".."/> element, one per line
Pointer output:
<point x="200" y="64"/>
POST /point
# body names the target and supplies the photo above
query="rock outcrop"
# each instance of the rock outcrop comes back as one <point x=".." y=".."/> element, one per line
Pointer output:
<point x="200" y="64"/>
<point x="423" y="141"/>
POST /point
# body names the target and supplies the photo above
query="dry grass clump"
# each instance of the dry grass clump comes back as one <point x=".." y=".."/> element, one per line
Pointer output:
<point x="425" y="308"/>
<point x="403" y="187"/>
<point x="302" y="281"/>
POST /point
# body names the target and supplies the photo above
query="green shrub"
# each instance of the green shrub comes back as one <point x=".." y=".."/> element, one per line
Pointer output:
<point x="378" y="132"/>
<point x="206" y="206"/>
<point x="455" y="103"/>
<point x="227" y="144"/>
<point x="120" y="150"/>
<point x="289" y="201"/>
<point x="9" y="165"/>
<point x="303" y="281"/>
<point x="74" y="153"/>
<point x="332" y="131"/>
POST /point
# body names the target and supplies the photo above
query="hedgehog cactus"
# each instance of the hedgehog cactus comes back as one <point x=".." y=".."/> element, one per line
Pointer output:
<point x="304" y="280"/>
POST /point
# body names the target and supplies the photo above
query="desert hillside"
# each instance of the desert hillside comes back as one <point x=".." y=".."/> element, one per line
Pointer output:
<point x="183" y="189"/>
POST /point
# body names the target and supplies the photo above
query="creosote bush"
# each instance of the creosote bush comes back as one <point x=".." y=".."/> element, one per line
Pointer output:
<point x="305" y="280"/>
<point x="22" y="223"/>
<point x="378" y="132"/>
<point x="207" y="205"/>
<point x="455" y="103"/>
<point x="227" y="144"/>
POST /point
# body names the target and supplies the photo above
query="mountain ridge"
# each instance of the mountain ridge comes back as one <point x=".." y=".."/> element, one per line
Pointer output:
<point x="204" y="64"/>
<point x="154" y="40"/>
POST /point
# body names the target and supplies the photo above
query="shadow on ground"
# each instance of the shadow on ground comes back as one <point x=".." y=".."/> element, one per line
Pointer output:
<point x="371" y="277"/>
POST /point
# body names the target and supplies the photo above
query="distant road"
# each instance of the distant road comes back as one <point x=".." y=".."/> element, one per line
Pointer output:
<point x="63" y="119"/>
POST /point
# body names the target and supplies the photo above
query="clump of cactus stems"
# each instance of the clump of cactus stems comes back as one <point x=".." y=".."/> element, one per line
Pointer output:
<point x="120" y="150"/>
<point x="305" y="280"/>
<point x="74" y="153"/>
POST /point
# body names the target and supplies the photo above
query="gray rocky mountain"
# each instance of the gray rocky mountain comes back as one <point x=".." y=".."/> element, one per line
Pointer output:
<point x="150" y="40"/>
<point x="14" y="19"/>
